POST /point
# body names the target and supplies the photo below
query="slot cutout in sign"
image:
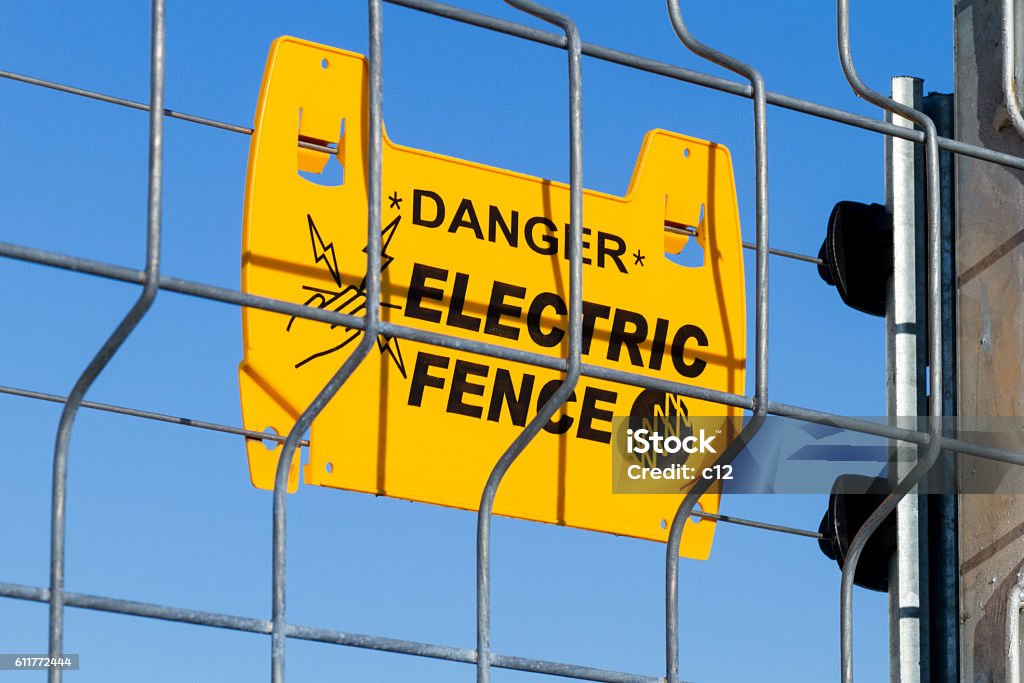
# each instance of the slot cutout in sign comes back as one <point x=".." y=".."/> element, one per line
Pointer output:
<point x="479" y="253"/>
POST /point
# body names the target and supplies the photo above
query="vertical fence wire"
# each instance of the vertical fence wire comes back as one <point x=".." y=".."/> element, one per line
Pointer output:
<point x="934" y="332"/>
<point x="575" y="325"/>
<point x="1009" y="40"/>
<point x="372" y="323"/>
<point x="112" y="344"/>
<point x="701" y="486"/>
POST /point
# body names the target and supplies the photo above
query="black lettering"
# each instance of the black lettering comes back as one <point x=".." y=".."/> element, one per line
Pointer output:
<point x="658" y="344"/>
<point x="591" y="312"/>
<point x="684" y="334"/>
<point x="422" y="378"/>
<point x="419" y="291"/>
<point x="631" y="340"/>
<point x="465" y="217"/>
<point x="550" y="242"/>
<point x="461" y="386"/>
<point x="583" y="243"/>
<point x="417" y="208"/>
<point x="564" y="423"/>
<point x="498" y="308"/>
<point x="504" y="392"/>
<point x="456" y="318"/>
<point x="536" y="313"/>
<point x="603" y="239"/>
<point x="589" y="412"/>
<point x="510" y="229"/>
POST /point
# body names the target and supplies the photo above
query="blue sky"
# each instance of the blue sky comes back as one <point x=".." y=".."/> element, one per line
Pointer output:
<point x="165" y="514"/>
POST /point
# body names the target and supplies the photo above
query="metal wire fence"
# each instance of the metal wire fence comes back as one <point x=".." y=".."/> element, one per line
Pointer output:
<point x="759" y="404"/>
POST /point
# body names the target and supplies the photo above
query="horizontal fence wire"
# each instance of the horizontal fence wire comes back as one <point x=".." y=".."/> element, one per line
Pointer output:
<point x="170" y="113"/>
<point x="271" y="436"/>
<point x="154" y="281"/>
<point x="322" y="635"/>
<point x="150" y="415"/>
<point x="589" y="50"/>
<point x="705" y="80"/>
<point x="692" y="232"/>
<point x="235" y="297"/>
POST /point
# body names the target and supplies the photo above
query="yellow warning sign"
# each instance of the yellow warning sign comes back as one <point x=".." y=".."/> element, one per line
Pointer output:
<point x="478" y="253"/>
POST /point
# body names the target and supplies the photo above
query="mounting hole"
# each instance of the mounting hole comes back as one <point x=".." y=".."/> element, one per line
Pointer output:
<point x="693" y="517"/>
<point x="270" y="444"/>
<point x="324" y="63"/>
<point x="664" y="524"/>
<point x="686" y="152"/>
<point x="329" y="467"/>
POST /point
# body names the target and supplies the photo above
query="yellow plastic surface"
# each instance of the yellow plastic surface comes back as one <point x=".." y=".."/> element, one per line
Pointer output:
<point x="478" y="253"/>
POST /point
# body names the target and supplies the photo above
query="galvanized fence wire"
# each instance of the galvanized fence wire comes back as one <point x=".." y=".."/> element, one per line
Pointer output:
<point x="749" y="430"/>
<point x="574" y="351"/>
<point x="113" y="343"/>
<point x="153" y="281"/>
<point x="366" y="344"/>
<point x="934" y="334"/>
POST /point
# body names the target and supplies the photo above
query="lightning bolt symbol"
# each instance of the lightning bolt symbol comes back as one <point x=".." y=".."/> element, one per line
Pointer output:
<point x="385" y="258"/>
<point x="385" y="343"/>
<point x="353" y="299"/>
<point x="323" y="252"/>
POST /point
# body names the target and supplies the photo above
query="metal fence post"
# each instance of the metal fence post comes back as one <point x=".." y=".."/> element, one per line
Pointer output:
<point x="906" y="365"/>
<point x="941" y="601"/>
